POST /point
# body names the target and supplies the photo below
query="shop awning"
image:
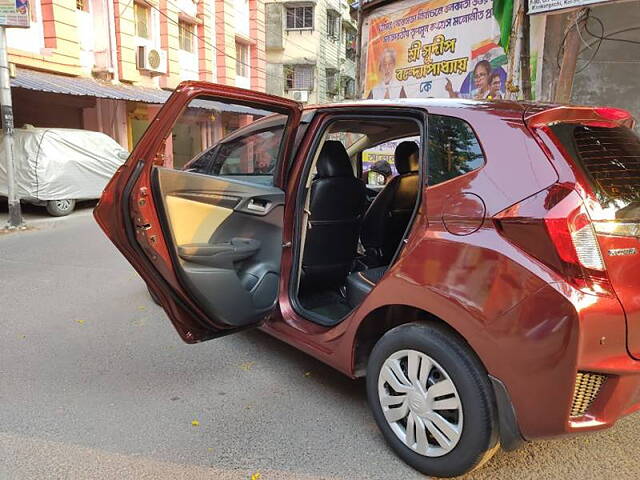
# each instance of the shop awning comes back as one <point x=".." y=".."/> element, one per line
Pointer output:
<point x="82" y="86"/>
<point x="49" y="82"/>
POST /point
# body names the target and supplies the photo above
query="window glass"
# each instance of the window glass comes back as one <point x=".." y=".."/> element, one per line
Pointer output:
<point x="332" y="81"/>
<point x="141" y="15"/>
<point x="610" y="158"/>
<point x="378" y="162"/>
<point x="350" y="44"/>
<point x="349" y="87"/>
<point x="332" y="24"/>
<point x="242" y="59"/>
<point x="299" y="18"/>
<point x="453" y="149"/>
<point x="214" y="138"/>
<point x="185" y="34"/>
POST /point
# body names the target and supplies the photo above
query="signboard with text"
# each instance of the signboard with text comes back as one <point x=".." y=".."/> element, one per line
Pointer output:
<point x="541" y="6"/>
<point x="438" y="48"/>
<point x="14" y="13"/>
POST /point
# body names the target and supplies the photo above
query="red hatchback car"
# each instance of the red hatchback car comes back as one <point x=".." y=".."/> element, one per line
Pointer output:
<point x="488" y="291"/>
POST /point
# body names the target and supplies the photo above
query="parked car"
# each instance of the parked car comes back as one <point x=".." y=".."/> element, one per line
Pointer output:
<point x="488" y="293"/>
<point x="56" y="167"/>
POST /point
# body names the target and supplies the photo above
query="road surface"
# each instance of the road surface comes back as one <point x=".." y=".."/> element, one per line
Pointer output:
<point x="95" y="383"/>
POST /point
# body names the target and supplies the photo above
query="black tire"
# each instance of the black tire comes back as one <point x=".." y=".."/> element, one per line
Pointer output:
<point x="60" y="208"/>
<point x="478" y="440"/>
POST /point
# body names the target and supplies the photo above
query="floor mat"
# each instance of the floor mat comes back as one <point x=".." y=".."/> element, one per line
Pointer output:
<point x="328" y="304"/>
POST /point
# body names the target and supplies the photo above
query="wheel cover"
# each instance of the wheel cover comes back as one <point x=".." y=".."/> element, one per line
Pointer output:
<point x="63" y="204"/>
<point x="420" y="403"/>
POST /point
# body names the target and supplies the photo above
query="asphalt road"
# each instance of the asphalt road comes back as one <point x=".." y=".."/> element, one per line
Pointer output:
<point x="94" y="383"/>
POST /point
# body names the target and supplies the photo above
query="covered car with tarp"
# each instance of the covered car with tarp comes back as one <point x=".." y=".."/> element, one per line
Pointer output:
<point x="58" y="166"/>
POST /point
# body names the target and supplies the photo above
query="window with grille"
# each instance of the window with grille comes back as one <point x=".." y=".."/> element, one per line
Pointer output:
<point x="242" y="59"/>
<point x="333" y="24"/>
<point x="299" y="77"/>
<point x="142" y="17"/>
<point x="186" y="35"/>
<point x="300" y="18"/>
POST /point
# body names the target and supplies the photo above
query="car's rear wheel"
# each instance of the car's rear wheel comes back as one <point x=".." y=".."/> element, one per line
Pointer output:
<point x="432" y="400"/>
<point x="60" y="208"/>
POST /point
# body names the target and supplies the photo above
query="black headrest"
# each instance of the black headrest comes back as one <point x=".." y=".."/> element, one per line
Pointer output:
<point x="334" y="160"/>
<point x="406" y="161"/>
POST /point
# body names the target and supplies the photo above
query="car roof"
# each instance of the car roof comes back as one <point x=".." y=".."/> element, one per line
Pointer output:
<point x="426" y="103"/>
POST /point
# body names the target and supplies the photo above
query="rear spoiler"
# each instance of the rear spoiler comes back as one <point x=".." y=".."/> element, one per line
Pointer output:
<point x="537" y="117"/>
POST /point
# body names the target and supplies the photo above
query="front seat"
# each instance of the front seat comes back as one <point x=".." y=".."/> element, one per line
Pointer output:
<point x="387" y="218"/>
<point x="336" y="206"/>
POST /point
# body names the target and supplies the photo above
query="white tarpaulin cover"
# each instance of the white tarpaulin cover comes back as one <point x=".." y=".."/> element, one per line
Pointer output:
<point x="60" y="163"/>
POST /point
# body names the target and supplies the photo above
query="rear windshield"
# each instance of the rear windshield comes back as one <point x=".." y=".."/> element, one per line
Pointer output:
<point x="610" y="157"/>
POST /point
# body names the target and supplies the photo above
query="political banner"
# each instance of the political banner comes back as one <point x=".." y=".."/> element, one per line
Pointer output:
<point x="14" y="13"/>
<point x="439" y="48"/>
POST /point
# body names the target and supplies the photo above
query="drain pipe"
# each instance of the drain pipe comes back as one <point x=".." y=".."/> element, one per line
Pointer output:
<point x="113" y="54"/>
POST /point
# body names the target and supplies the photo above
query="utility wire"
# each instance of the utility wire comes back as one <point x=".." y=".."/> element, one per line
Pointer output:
<point x="600" y="38"/>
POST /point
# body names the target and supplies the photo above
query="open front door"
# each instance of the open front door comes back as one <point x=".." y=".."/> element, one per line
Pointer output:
<point x="198" y="207"/>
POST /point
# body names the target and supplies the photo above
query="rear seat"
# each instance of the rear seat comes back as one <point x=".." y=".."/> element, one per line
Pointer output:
<point x="359" y="284"/>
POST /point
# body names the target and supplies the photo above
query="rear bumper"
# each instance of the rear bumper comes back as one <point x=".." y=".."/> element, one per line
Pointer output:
<point x="569" y="333"/>
<point x="618" y="396"/>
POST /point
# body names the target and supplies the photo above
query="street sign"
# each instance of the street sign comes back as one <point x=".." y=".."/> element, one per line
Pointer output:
<point x="542" y="6"/>
<point x="14" y="13"/>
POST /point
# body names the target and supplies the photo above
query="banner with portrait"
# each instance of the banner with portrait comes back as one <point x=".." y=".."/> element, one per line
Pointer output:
<point x="438" y="48"/>
<point x="14" y="13"/>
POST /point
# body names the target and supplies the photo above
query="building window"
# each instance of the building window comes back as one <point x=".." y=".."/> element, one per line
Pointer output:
<point x="350" y="44"/>
<point x="242" y="59"/>
<point x="299" y="77"/>
<point x="185" y="35"/>
<point x="82" y="5"/>
<point x="332" y="81"/>
<point x="349" y="87"/>
<point x="333" y="25"/>
<point x="300" y="18"/>
<point x="142" y="17"/>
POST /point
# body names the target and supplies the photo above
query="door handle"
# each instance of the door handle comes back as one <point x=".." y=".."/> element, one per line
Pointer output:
<point x="258" y="205"/>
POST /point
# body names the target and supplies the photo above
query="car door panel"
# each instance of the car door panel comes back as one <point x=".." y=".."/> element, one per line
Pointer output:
<point x="227" y="235"/>
<point x="203" y="298"/>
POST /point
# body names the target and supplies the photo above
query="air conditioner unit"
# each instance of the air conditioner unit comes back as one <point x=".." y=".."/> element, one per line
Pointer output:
<point x="151" y="59"/>
<point x="301" y="95"/>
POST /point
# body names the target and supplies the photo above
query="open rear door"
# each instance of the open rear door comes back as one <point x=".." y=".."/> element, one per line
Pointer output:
<point x="197" y="209"/>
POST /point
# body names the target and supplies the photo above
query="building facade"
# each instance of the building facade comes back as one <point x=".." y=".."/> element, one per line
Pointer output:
<point x="311" y="50"/>
<point x="108" y="65"/>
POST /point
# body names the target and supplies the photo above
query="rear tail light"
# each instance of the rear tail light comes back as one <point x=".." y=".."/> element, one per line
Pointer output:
<point x="554" y="227"/>
<point x="575" y="239"/>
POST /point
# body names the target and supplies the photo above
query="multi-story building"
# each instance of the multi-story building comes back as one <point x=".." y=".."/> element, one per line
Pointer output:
<point x="108" y="65"/>
<point x="311" y="50"/>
